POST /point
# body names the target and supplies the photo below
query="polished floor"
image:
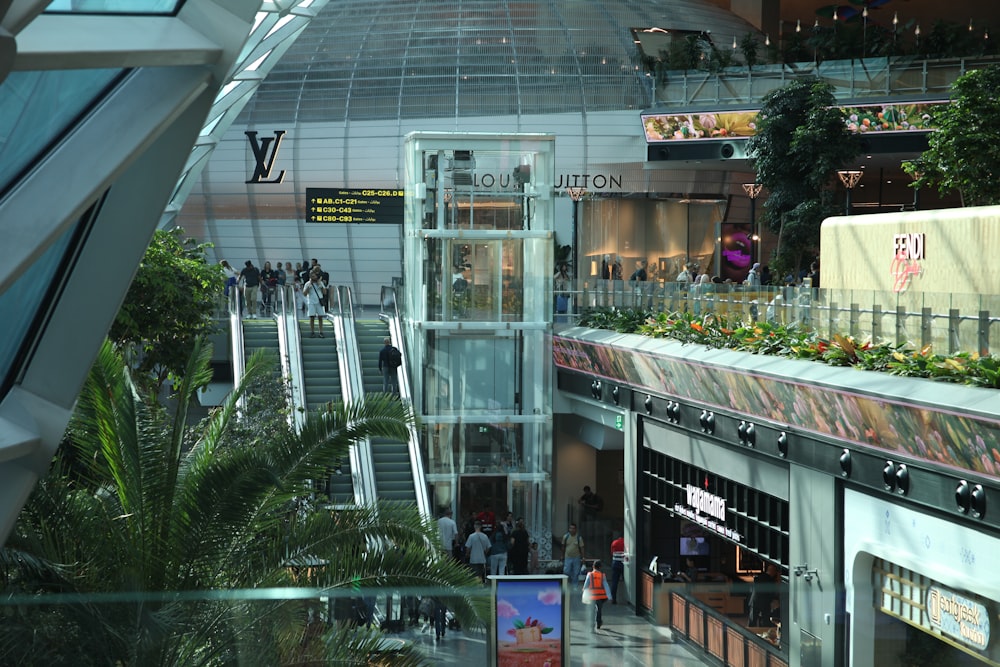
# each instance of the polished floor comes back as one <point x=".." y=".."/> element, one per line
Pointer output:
<point x="624" y="640"/>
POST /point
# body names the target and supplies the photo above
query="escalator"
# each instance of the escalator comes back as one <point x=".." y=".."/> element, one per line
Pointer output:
<point x="391" y="458"/>
<point x="322" y="380"/>
<point x="260" y="334"/>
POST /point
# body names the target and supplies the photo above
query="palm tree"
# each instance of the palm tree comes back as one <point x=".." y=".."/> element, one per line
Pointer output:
<point x="150" y="536"/>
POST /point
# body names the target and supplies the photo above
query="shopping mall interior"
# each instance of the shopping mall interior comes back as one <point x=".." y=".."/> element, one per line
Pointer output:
<point x="441" y="159"/>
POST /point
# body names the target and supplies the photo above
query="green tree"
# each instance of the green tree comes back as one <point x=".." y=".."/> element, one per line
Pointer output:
<point x="170" y="303"/>
<point x="161" y="515"/>
<point x="801" y="141"/>
<point x="963" y="153"/>
<point x="749" y="48"/>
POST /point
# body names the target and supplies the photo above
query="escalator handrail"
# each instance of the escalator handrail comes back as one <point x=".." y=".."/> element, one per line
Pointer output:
<point x="390" y="313"/>
<point x="352" y="389"/>
<point x="290" y="346"/>
<point x="236" y="345"/>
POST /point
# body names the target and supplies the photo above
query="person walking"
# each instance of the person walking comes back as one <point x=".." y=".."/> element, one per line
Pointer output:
<point x="476" y="547"/>
<point x="520" y="549"/>
<point x="313" y="292"/>
<point x="595" y="586"/>
<point x="498" y="552"/>
<point x="230" y="274"/>
<point x="448" y="530"/>
<point x="268" y="281"/>
<point x="440" y="618"/>
<point x="250" y="277"/>
<point x="617" y="565"/>
<point x="573" y="554"/>
<point x="389" y="361"/>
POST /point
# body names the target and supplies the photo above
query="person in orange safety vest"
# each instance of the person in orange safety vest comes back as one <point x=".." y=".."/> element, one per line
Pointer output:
<point x="596" y="585"/>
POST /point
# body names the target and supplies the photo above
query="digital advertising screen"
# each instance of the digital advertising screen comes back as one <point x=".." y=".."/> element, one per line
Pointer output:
<point x="863" y="119"/>
<point x="530" y="621"/>
<point x="736" y="249"/>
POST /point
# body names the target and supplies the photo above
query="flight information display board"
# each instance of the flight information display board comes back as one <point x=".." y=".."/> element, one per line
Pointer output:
<point x="359" y="206"/>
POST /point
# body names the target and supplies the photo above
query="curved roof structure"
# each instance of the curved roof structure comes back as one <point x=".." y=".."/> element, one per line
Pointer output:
<point x="407" y="59"/>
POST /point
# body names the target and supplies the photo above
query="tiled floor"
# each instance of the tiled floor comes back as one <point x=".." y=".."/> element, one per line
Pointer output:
<point x="625" y="640"/>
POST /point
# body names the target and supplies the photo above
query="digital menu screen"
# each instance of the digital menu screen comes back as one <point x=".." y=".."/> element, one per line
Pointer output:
<point x="334" y="205"/>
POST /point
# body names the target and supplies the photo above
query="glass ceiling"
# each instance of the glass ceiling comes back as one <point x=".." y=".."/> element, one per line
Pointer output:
<point x="459" y="58"/>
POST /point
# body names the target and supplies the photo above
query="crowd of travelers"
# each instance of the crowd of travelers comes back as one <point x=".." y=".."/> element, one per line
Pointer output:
<point x="256" y="288"/>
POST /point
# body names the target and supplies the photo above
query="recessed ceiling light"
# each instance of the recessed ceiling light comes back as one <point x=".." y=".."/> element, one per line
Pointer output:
<point x="869" y="157"/>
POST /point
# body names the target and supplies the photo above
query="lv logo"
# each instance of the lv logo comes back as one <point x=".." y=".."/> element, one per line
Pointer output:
<point x="264" y="152"/>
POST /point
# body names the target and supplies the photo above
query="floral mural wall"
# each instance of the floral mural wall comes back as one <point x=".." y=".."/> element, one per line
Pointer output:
<point x="962" y="441"/>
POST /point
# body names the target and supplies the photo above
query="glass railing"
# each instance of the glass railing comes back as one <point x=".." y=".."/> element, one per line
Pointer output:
<point x="352" y="625"/>
<point x="949" y="323"/>
<point x="851" y="79"/>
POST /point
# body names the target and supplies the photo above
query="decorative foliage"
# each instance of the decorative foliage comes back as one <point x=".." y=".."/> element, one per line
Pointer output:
<point x="796" y="342"/>
<point x="963" y="154"/>
<point x="802" y="139"/>
<point x="170" y="303"/>
<point x="153" y="531"/>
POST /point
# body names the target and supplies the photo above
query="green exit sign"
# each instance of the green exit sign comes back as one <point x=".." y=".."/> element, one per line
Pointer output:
<point x="619" y="422"/>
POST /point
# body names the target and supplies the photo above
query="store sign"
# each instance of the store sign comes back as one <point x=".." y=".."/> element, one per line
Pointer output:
<point x="701" y="503"/>
<point x="959" y="617"/>
<point x="265" y="152"/>
<point x="908" y="250"/>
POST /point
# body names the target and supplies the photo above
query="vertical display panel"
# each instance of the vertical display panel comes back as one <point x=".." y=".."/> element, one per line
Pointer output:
<point x="737" y="251"/>
<point x="530" y="621"/>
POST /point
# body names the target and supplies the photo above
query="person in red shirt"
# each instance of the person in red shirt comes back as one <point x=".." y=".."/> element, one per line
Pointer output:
<point x="617" y="565"/>
<point x="488" y="519"/>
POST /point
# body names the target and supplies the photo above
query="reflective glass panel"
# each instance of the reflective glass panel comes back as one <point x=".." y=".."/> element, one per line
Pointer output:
<point x="37" y="107"/>
<point x="20" y="304"/>
<point x="144" y="7"/>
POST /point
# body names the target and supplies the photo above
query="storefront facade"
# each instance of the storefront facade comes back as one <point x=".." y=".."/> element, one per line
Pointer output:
<point x="880" y="545"/>
<point x="928" y="586"/>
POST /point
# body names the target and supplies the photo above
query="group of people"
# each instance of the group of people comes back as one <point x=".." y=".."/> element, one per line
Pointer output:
<point x="258" y="286"/>
<point x="489" y="546"/>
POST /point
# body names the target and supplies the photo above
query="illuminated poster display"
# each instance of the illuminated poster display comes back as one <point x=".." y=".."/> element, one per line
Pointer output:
<point x="359" y="206"/>
<point x="864" y="119"/>
<point x="530" y="621"/>
<point x="736" y="251"/>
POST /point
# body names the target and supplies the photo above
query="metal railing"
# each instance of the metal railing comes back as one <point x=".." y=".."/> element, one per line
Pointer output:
<point x="945" y="322"/>
<point x="390" y="314"/>
<point x="852" y="79"/>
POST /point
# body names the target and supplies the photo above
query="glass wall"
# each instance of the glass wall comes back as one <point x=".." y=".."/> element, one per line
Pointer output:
<point x="619" y="236"/>
<point x="478" y="315"/>
<point x="474" y="280"/>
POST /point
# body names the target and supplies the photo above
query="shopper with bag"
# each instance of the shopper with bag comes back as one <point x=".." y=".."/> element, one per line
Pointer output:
<point x="596" y="592"/>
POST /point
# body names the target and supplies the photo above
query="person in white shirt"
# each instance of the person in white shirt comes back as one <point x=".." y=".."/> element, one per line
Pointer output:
<point x="477" y="546"/>
<point x="449" y="532"/>
<point x="313" y="292"/>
